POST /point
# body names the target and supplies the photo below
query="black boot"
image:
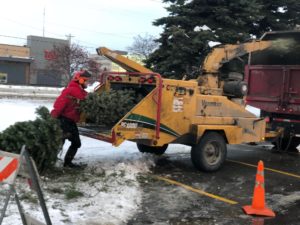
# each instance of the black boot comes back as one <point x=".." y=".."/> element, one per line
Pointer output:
<point x="71" y="165"/>
<point x="69" y="157"/>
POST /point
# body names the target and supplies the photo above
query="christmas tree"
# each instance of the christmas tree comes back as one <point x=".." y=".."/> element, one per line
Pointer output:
<point x="107" y="108"/>
<point x="42" y="138"/>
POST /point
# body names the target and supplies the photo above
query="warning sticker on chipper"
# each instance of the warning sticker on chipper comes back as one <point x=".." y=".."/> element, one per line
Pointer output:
<point x="129" y="125"/>
<point x="177" y="104"/>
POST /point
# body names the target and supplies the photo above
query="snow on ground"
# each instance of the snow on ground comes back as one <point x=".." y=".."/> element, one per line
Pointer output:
<point x="253" y="110"/>
<point x="105" y="192"/>
<point x="13" y="110"/>
<point x="108" y="185"/>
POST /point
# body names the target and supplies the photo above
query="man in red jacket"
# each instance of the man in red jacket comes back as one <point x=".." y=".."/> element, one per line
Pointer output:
<point x="66" y="109"/>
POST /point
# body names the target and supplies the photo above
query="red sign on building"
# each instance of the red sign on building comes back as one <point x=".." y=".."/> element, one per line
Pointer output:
<point x="49" y="55"/>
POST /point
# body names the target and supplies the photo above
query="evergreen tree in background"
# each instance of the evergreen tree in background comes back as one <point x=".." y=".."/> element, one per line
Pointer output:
<point x="42" y="137"/>
<point x="192" y="24"/>
<point x="278" y="15"/>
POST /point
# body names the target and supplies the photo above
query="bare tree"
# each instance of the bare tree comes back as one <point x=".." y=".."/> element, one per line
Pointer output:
<point x="65" y="59"/>
<point x="143" y="46"/>
<point x="95" y="68"/>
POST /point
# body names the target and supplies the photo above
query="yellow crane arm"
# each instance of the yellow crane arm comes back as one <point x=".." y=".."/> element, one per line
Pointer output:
<point x="225" y="53"/>
<point x="125" y="63"/>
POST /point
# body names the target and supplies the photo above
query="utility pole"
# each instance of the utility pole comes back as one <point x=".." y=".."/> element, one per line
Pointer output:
<point x="69" y="36"/>
<point x="44" y="21"/>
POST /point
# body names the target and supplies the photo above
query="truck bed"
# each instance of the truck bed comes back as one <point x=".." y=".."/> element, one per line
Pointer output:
<point x="274" y="88"/>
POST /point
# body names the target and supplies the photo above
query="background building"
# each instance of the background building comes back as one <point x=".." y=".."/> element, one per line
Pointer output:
<point x="41" y="50"/>
<point x="14" y="64"/>
<point x="28" y="65"/>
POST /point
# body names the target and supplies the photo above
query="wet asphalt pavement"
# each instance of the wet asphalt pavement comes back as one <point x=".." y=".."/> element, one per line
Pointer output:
<point x="166" y="203"/>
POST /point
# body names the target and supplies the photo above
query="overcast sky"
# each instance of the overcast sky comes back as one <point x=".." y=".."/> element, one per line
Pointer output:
<point x="92" y="23"/>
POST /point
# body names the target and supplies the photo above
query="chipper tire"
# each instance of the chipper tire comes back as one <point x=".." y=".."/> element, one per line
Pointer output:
<point x="152" y="149"/>
<point x="210" y="153"/>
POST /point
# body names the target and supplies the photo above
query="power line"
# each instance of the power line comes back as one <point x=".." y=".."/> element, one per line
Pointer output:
<point x="8" y="36"/>
<point x="45" y="41"/>
<point x="89" y="46"/>
<point x="29" y="26"/>
<point x="69" y="36"/>
<point x="123" y="35"/>
<point x="12" y="37"/>
<point x="59" y="35"/>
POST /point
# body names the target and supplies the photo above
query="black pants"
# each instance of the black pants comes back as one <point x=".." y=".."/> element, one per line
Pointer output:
<point x="70" y="132"/>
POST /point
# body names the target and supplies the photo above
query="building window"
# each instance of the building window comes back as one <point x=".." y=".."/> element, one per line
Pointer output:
<point x="3" y="78"/>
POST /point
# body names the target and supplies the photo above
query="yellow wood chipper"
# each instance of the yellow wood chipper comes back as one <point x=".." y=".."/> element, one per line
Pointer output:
<point x="204" y="113"/>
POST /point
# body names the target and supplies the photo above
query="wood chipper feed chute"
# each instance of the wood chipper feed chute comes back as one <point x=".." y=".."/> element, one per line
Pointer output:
<point x="161" y="117"/>
<point x="147" y="84"/>
<point x="140" y="124"/>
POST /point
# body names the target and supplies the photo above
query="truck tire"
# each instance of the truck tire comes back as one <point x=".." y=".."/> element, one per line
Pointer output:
<point x="152" y="149"/>
<point x="293" y="146"/>
<point x="286" y="146"/>
<point x="210" y="153"/>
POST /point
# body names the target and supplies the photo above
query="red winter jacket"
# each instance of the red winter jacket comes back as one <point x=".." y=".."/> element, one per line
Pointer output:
<point x="67" y="103"/>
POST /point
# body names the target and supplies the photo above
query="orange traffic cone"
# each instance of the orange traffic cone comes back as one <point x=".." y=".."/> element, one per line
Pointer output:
<point x="258" y="202"/>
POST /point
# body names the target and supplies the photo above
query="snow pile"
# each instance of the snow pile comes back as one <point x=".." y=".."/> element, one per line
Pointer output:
<point x="108" y="190"/>
<point x="213" y="43"/>
<point x="282" y="9"/>
<point x="29" y="91"/>
<point x="188" y="1"/>
<point x="36" y="92"/>
<point x="282" y="202"/>
<point x="253" y="110"/>
<point x="201" y="28"/>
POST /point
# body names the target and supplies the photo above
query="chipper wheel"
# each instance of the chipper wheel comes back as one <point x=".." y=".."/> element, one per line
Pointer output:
<point x="151" y="149"/>
<point x="210" y="153"/>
